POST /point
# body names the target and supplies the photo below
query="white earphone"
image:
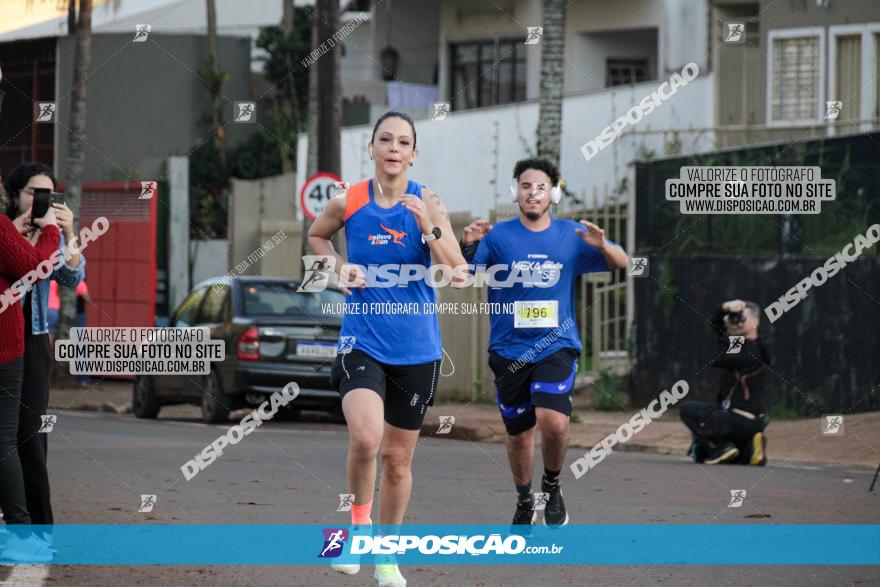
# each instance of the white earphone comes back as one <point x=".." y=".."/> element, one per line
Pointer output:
<point x="555" y="193"/>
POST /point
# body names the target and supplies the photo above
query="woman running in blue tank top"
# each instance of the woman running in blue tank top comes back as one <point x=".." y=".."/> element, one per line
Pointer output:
<point x="390" y="352"/>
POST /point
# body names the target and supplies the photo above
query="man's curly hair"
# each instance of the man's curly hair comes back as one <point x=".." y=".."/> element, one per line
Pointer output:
<point x="541" y="165"/>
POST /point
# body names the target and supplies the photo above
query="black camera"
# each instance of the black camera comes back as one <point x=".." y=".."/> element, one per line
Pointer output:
<point x="735" y="318"/>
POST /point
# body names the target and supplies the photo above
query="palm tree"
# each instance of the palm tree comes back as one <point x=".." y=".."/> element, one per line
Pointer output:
<point x="216" y="79"/>
<point x="76" y="132"/>
<point x="552" y="61"/>
<point x="288" y="117"/>
<point x="329" y="88"/>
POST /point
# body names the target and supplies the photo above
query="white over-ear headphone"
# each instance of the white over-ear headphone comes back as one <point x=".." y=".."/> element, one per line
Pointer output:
<point x="555" y="192"/>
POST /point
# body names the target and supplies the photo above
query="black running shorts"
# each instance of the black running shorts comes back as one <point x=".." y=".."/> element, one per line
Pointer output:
<point x="546" y="384"/>
<point x="407" y="390"/>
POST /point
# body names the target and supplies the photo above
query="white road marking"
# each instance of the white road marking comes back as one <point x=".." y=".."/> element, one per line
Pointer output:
<point x="802" y="467"/>
<point x="26" y="576"/>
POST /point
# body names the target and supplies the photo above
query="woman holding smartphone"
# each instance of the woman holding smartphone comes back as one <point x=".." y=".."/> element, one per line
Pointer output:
<point x="21" y="184"/>
<point x="18" y="257"/>
<point x="387" y="376"/>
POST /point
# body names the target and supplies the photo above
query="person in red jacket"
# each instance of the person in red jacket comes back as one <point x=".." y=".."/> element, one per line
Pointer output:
<point x="17" y="259"/>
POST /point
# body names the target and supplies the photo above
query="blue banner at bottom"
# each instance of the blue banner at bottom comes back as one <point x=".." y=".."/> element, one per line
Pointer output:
<point x="444" y="544"/>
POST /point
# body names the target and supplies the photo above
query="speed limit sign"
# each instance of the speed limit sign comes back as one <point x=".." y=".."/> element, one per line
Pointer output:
<point x="316" y="192"/>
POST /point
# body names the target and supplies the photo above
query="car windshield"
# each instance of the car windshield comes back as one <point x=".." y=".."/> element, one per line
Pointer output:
<point x="282" y="299"/>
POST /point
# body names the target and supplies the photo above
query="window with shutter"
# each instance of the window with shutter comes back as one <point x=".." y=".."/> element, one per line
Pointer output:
<point x="795" y="78"/>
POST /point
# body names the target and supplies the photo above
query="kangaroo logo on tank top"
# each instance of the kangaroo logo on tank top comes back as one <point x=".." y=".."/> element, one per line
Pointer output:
<point x="393" y="236"/>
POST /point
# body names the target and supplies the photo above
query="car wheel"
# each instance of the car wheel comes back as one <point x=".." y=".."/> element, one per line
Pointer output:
<point x="144" y="403"/>
<point x="215" y="404"/>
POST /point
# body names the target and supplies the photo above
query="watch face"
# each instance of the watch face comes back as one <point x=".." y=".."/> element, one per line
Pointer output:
<point x="436" y="232"/>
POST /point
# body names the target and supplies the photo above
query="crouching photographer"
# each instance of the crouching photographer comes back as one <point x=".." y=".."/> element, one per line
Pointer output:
<point x="731" y="430"/>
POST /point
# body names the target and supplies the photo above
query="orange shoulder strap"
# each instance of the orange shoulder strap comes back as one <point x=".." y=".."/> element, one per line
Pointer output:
<point x="357" y="196"/>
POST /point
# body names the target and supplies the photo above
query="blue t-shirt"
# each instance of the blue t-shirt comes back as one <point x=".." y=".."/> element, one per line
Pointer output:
<point x="557" y="251"/>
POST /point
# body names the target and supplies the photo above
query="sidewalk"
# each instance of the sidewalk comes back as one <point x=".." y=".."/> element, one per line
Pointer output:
<point x="788" y="440"/>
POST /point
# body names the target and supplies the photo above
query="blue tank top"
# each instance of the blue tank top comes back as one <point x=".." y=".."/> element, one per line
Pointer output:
<point x="406" y="335"/>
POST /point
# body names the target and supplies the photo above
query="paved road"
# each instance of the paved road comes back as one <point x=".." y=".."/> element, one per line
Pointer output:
<point x="293" y="473"/>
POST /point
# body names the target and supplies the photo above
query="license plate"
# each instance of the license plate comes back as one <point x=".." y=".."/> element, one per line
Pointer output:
<point x="320" y="350"/>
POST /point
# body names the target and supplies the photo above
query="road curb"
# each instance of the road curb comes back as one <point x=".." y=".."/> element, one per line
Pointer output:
<point x="105" y="407"/>
<point x="488" y="433"/>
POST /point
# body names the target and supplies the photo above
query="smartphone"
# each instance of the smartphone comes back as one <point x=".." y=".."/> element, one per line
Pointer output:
<point x="57" y="198"/>
<point x="42" y="197"/>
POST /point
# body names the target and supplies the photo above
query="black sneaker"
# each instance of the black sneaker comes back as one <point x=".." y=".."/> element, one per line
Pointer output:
<point x="554" y="511"/>
<point x="523" y="518"/>
<point x="695" y="452"/>
<point x="726" y="453"/>
<point x="524" y="513"/>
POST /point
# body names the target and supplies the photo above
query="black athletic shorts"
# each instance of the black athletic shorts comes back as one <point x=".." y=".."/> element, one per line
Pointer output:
<point x="546" y="384"/>
<point x="406" y="390"/>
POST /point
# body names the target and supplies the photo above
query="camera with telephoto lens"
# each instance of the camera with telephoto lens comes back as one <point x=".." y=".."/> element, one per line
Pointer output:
<point x="735" y="318"/>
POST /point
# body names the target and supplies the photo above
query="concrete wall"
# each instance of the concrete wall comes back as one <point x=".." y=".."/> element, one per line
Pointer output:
<point x="257" y="210"/>
<point x="592" y="50"/>
<point x="146" y="102"/>
<point x="208" y="259"/>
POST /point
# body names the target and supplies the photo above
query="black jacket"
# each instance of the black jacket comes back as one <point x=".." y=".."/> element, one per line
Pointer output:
<point x="743" y="375"/>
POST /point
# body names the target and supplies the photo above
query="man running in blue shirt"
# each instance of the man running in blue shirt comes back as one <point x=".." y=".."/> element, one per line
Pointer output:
<point x="533" y="351"/>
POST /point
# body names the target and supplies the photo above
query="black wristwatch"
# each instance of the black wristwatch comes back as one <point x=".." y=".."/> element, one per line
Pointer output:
<point x="468" y="250"/>
<point x="433" y="235"/>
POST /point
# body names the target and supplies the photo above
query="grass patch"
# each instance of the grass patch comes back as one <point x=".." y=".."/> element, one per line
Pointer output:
<point x="607" y="389"/>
